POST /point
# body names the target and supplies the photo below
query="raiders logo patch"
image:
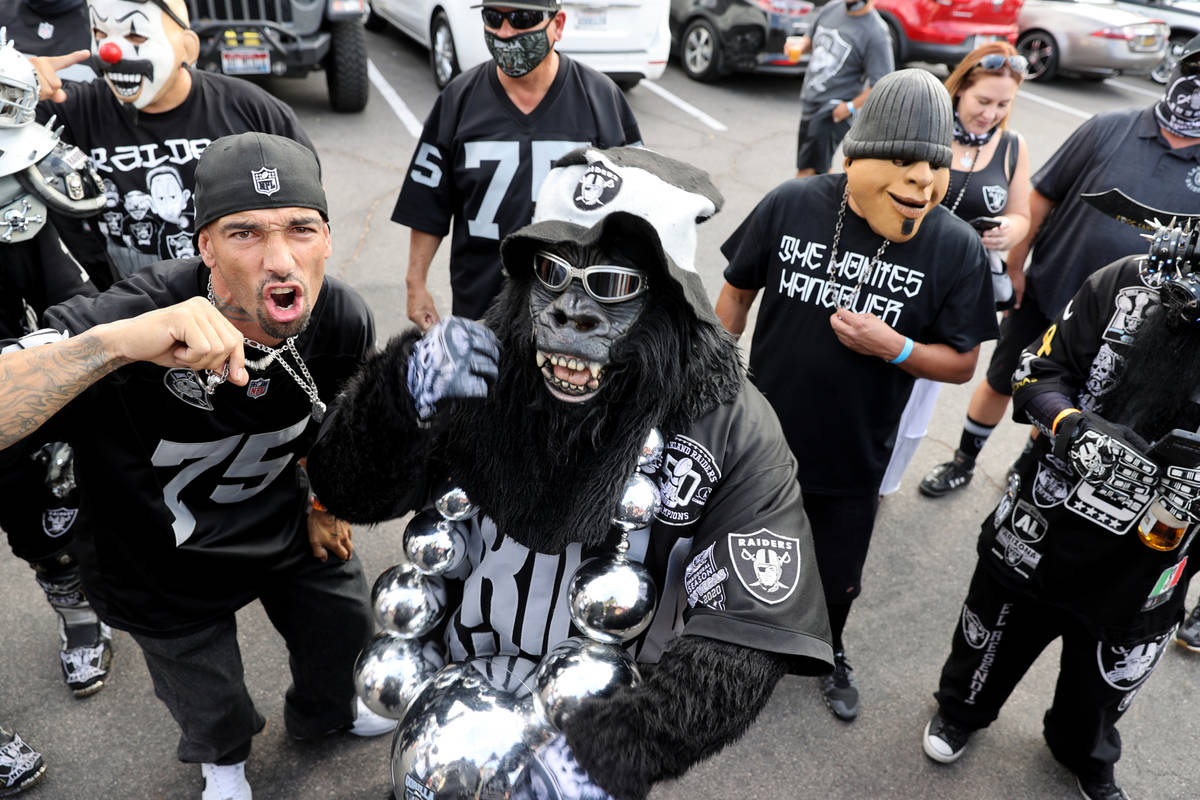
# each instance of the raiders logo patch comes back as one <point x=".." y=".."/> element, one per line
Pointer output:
<point x="995" y="197"/>
<point x="704" y="581"/>
<point x="685" y="479"/>
<point x="57" y="521"/>
<point x="1028" y="523"/>
<point x="185" y="384"/>
<point x="1128" y="666"/>
<point x="974" y="631"/>
<point x="598" y="186"/>
<point x="767" y="564"/>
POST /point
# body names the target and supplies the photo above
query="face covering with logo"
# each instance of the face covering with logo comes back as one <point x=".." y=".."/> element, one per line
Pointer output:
<point x="1179" y="110"/>
<point x="518" y="54"/>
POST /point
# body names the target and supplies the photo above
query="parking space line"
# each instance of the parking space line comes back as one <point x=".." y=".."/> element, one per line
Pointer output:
<point x="399" y="107"/>
<point x="1046" y="101"/>
<point x="1129" y="87"/>
<point x="683" y="105"/>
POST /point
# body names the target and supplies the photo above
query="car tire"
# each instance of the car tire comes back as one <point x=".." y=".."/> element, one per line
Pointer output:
<point x="1041" y="50"/>
<point x="1162" y="71"/>
<point x="897" y="39"/>
<point x="700" y="51"/>
<point x="443" y="56"/>
<point x="346" y="67"/>
<point x="375" y="23"/>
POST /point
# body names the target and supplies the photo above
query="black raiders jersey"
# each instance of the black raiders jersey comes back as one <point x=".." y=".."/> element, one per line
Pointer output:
<point x="480" y="162"/>
<point x="1063" y="540"/>
<point x="149" y="167"/>
<point x="46" y="33"/>
<point x="730" y="551"/>
<point x="195" y="499"/>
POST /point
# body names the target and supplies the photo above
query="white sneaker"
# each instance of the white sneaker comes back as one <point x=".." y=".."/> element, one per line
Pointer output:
<point x="225" y="782"/>
<point x="368" y="723"/>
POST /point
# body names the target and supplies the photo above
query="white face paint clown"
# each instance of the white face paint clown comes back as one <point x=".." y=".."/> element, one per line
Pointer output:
<point x="141" y="46"/>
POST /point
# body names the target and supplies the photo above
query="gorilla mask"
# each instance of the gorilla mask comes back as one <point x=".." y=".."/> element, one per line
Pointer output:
<point x="140" y="46"/>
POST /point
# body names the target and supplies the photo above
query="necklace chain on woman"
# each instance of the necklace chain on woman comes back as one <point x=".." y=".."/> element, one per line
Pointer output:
<point x="273" y="354"/>
<point x="966" y="180"/>
<point x="864" y="274"/>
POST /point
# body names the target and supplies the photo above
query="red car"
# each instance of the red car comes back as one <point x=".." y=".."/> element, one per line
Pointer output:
<point x="943" y="31"/>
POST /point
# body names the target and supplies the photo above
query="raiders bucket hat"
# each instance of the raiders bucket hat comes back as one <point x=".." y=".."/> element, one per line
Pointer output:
<point x="250" y="171"/>
<point x="623" y="194"/>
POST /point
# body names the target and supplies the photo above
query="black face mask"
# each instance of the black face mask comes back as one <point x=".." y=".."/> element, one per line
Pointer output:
<point x="52" y="8"/>
<point x="855" y="5"/>
<point x="520" y="53"/>
<point x="1179" y="110"/>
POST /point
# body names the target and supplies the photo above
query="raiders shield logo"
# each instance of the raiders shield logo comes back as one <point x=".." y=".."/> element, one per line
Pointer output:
<point x="257" y="387"/>
<point x="266" y="180"/>
<point x="995" y="198"/>
<point x="766" y="563"/>
<point x="1127" y="666"/>
<point x="57" y="521"/>
<point x="973" y="629"/>
<point x="185" y="384"/>
<point x="180" y="245"/>
<point x="598" y="186"/>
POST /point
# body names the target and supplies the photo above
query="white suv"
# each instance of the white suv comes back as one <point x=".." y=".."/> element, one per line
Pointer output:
<point x="626" y="39"/>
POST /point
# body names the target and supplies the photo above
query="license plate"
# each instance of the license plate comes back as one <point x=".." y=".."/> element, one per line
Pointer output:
<point x="246" y="61"/>
<point x="591" y="18"/>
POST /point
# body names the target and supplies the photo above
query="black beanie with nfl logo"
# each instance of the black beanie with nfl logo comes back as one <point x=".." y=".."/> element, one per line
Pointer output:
<point x="251" y="171"/>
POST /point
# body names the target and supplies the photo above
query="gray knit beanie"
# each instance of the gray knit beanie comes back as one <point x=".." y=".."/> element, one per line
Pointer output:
<point x="907" y="115"/>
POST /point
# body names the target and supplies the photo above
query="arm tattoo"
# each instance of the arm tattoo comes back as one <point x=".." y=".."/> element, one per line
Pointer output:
<point x="36" y="383"/>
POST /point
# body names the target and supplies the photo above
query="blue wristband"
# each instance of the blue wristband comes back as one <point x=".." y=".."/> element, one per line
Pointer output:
<point x="905" y="351"/>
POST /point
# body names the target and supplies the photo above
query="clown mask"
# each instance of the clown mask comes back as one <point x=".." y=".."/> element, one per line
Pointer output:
<point x="893" y="196"/>
<point x="140" y="47"/>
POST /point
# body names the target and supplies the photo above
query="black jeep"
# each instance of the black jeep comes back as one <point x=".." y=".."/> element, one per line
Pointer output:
<point x="287" y="38"/>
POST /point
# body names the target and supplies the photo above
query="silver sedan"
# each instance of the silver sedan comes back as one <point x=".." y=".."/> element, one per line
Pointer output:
<point x="1092" y="39"/>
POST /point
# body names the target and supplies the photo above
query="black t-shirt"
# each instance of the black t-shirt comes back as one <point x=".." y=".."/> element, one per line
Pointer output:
<point x="481" y="161"/>
<point x="1117" y="149"/>
<point x="1064" y="541"/>
<point x="730" y="551"/>
<point x="195" y="500"/>
<point x="39" y="34"/>
<point x="152" y="165"/>
<point x="36" y="274"/>
<point x="840" y="409"/>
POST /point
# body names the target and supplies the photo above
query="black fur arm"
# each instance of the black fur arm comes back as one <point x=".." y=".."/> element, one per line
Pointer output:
<point x="368" y="463"/>
<point x="702" y="695"/>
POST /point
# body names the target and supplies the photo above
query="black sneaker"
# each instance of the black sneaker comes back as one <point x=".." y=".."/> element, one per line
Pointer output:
<point x="945" y="478"/>
<point x="838" y="688"/>
<point x="1100" y="790"/>
<point x="20" y="765"/>
<point x="944" y="741"/>
<point x="1188" y="634"/>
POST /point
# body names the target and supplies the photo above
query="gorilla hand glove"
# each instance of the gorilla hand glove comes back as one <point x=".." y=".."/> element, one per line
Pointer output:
<point x="456" y="359"/>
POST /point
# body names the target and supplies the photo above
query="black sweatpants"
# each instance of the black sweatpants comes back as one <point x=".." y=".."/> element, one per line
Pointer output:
<point x="841" y="531"/>
<point x="38" y="524"/>
<point x="321" y="610"/>
<point x="998" y="636"/>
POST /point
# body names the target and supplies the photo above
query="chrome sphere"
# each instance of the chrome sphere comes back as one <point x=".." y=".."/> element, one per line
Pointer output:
<point x="389" y="673"/>
<point x="453" y="504"/>
<point x="577" y="669"/>
<point x="407" y="603"/>
<point x="434" y="545"/>
<point x="611" y="599"/>
<point x="652" y="449"/>
<point x="638" y="504"/>
<point x="462" y="737"/>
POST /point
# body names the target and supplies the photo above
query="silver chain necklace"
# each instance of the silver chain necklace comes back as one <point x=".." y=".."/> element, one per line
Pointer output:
<point x="273" y="354"/>
<point x="966" y="180"/>
<point x="863" y="275"/>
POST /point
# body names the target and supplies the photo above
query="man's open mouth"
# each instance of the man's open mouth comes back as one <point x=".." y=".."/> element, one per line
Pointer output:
<point x="284" y="301"/>
<point x="569" y="377"/>
<point x="909" y="207"/>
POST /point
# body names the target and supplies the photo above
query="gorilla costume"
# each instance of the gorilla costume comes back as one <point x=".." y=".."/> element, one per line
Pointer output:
<point x="604" y="330"/>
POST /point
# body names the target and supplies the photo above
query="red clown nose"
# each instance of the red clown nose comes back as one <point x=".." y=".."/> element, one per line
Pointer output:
<point x="110" y="53"/>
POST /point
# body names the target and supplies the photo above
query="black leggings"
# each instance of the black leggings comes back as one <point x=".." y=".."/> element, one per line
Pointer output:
<point x="841" y="528"/>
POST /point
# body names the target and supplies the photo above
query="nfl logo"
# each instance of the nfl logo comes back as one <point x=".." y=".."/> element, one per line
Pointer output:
<point x="45" y="30"/>
<point x="257" y="387"/>
<point x="266" y="181"/>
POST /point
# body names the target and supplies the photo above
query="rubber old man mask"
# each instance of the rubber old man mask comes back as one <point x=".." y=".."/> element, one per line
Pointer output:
<point x="898" y="153"/>
<point x="141" y="46"/>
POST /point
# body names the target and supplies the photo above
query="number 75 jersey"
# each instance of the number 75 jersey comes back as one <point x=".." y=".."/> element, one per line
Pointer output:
<point x="190" y="500"/>
<point x="481" y="161"/>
